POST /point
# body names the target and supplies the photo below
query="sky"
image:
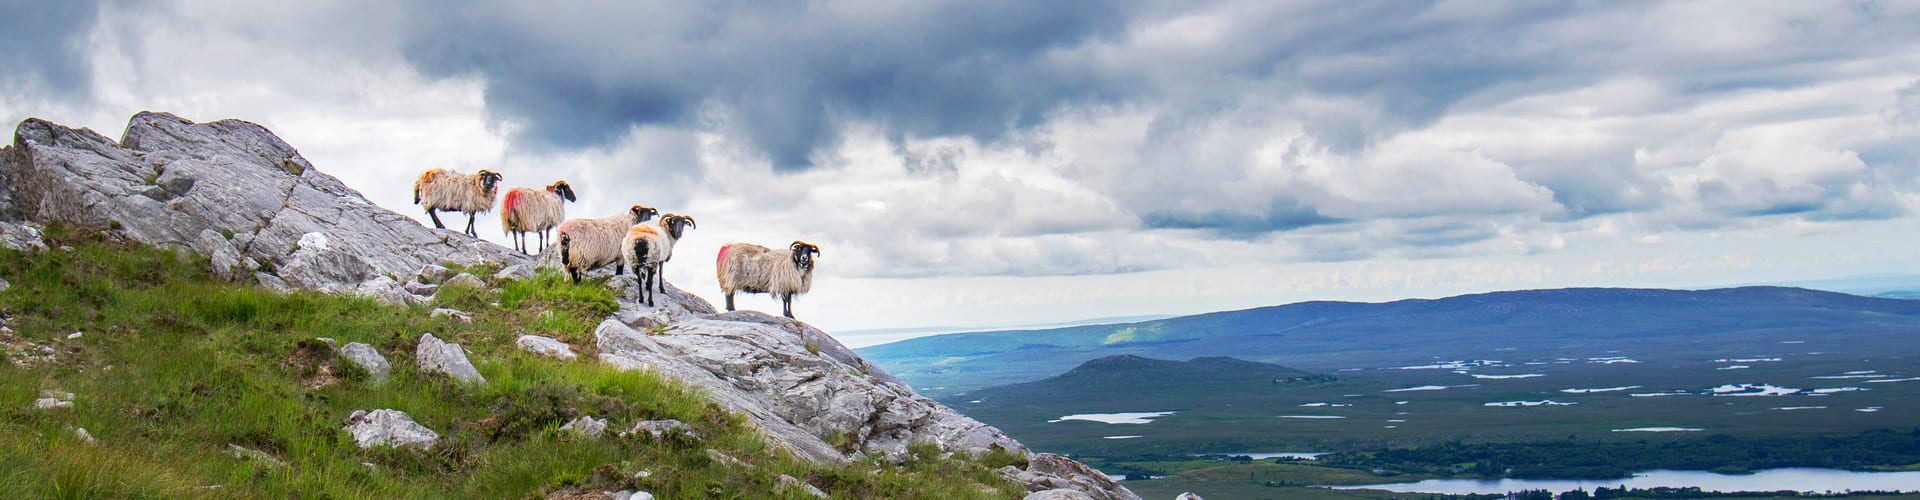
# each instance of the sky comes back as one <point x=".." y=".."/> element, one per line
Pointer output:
<point x="988" y="163"/>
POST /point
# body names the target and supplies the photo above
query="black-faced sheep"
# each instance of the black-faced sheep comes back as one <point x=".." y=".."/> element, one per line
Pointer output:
<point x="647" y="246"/>
<point x="590" y="243"/>
<point x="525" y="210"/>
<point x="447" y="190"/>
<point x="746" y="267"/>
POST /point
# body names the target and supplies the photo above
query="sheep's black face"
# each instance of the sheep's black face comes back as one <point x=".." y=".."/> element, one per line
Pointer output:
<point x="803" y="255"/>
<point x="488" y="179"/>
<point x="678" y="224"/>
<point x="562" y="189"/>
<point x="642" y="214"/>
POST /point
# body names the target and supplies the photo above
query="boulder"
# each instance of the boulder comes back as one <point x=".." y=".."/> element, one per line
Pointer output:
<point x="789" y="483"/>
<point x="20" y="236"/>
<point x="464" y="280"/>
<point x="515" y="272"/>
<point x="4" y="285"/>
<point x="1059" y="494"/>
<point x="422" y="289"/>
<point x="369" y="358"/>
<point x="587" y="426"/>
<point x="545" y="346"/>
<point x="168" y="180"/>
<point x="84" y="436"/>
<point x="388" y="427"/>
<point x="50" y="403"/>
<point x="226" y="261"/>
<point x="1047" y="471"/>
<point x="243" y="452"/>
<point x="1188" y="496"/>
<point x="657" y="428"/>
<point x="433" y="273"/>
<point x="384" y="289"/>
<point x="441" y="357"/>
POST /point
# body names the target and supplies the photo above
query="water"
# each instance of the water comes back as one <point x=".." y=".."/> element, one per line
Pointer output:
<point x="1802" y="480"/>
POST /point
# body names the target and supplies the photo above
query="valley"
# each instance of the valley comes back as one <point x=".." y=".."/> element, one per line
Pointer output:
<point x="1631" y="371"/>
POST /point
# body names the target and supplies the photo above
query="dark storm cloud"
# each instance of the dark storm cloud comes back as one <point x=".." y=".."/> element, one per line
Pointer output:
<point x="45" y="47"/>
<point x="781" y="73"/>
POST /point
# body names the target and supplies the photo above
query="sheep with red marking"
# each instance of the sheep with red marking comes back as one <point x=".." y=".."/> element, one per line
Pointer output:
<point x="525" y="210"/>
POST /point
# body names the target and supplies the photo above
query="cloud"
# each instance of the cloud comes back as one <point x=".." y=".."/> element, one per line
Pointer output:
<point x="45" y="50"/>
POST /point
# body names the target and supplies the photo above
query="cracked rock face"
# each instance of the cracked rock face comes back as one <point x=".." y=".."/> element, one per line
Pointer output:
<point x="168" y="181"/>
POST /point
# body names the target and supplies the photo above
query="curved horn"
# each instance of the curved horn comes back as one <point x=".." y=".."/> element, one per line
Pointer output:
<point x="690" y="222"/>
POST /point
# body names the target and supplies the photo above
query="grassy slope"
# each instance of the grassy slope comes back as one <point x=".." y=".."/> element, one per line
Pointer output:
<point x="174" y="366"/>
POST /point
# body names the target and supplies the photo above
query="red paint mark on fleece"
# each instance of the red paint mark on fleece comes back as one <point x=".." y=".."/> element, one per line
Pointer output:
<point x="723" y="255"/>
<point x="512" y="198"/>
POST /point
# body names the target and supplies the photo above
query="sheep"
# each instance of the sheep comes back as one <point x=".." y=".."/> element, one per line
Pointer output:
<point x="746" y="267"/>
<point x="649" y="245"/>
<point x="590" y="243"/>
<point x="447" y="190"/>
<point x="525" y="210"/>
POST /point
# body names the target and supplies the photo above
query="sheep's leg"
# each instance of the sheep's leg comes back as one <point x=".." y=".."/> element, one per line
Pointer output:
<point x="575" y="272"/>
<point x="436" y="220"/>
<point x="729" y="301"/>
<point x="470" y="226"/>
<point x="786" y="305"/>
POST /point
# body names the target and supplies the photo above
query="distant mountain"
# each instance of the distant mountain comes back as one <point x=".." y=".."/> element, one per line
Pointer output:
<point x="1134" y="377"/>
<point x="1327" y="336"/>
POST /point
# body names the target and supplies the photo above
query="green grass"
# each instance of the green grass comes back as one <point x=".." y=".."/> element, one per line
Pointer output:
<point x="174" y="366"/>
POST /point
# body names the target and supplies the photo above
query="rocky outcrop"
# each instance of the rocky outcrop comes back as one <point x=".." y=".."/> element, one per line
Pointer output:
<point x="369" y="358"/>
<point x="249" y="203"/>
<point x="810" y="394"/>
<point x="229" y="190"/>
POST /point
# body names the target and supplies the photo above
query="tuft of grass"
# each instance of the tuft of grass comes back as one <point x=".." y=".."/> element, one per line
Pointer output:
<point x="175" y="366"/>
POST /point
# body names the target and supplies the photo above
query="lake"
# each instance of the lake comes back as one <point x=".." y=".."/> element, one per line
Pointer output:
<point x="1803" y="480"/>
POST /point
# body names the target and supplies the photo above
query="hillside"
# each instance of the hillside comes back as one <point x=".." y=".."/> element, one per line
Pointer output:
<point x="194" y="310"/>
<point x="1125" y="377"/>
<point x="1329" y="336"/>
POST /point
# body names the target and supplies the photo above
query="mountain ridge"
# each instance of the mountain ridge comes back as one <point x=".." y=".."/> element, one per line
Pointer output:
<point x="1330" y="335"/>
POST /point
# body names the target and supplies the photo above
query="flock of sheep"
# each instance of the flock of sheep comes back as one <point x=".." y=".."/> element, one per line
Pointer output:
<point x="630" y="239"/>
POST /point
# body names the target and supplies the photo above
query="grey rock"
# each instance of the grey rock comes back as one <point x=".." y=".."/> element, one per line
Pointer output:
<point x="272" y="282"/>
<point x="515" y="272"/>
<point x="226" y="261"/>
<point x="74" y="335"/>
<point x="418" y="288"/>
<point x="388" y="427"/>
<point x="84" y="436"/>
<point x="312" y="240"/>
<point x="587" y="426"/>
<point x="22" y="236"/>
<point x="545" y="346"/>
<point x="369" y="358"/>
<point x="722" y="458"/>
<point x="168" y="180"/>
<point x="384" y="289"/>
<point x="1047" y="471"/>
<point x="243" y="452"/>
<point x="433" y="273"/>
<point x="455" y="314"/>
<point x="60" y="395"/>
<point x="797" y="384"/>
<point x="436" y="356"/>
<point x="657" y="428"/>
<point x="789" y="482"/>
<point x="4" y="285"/>
<point x="1188" y="496"/>
<point x="1059" y="494"/>
<point x="464" y="280"/>
<point x="329" y="341"/>
<point x="50" y="404"/>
